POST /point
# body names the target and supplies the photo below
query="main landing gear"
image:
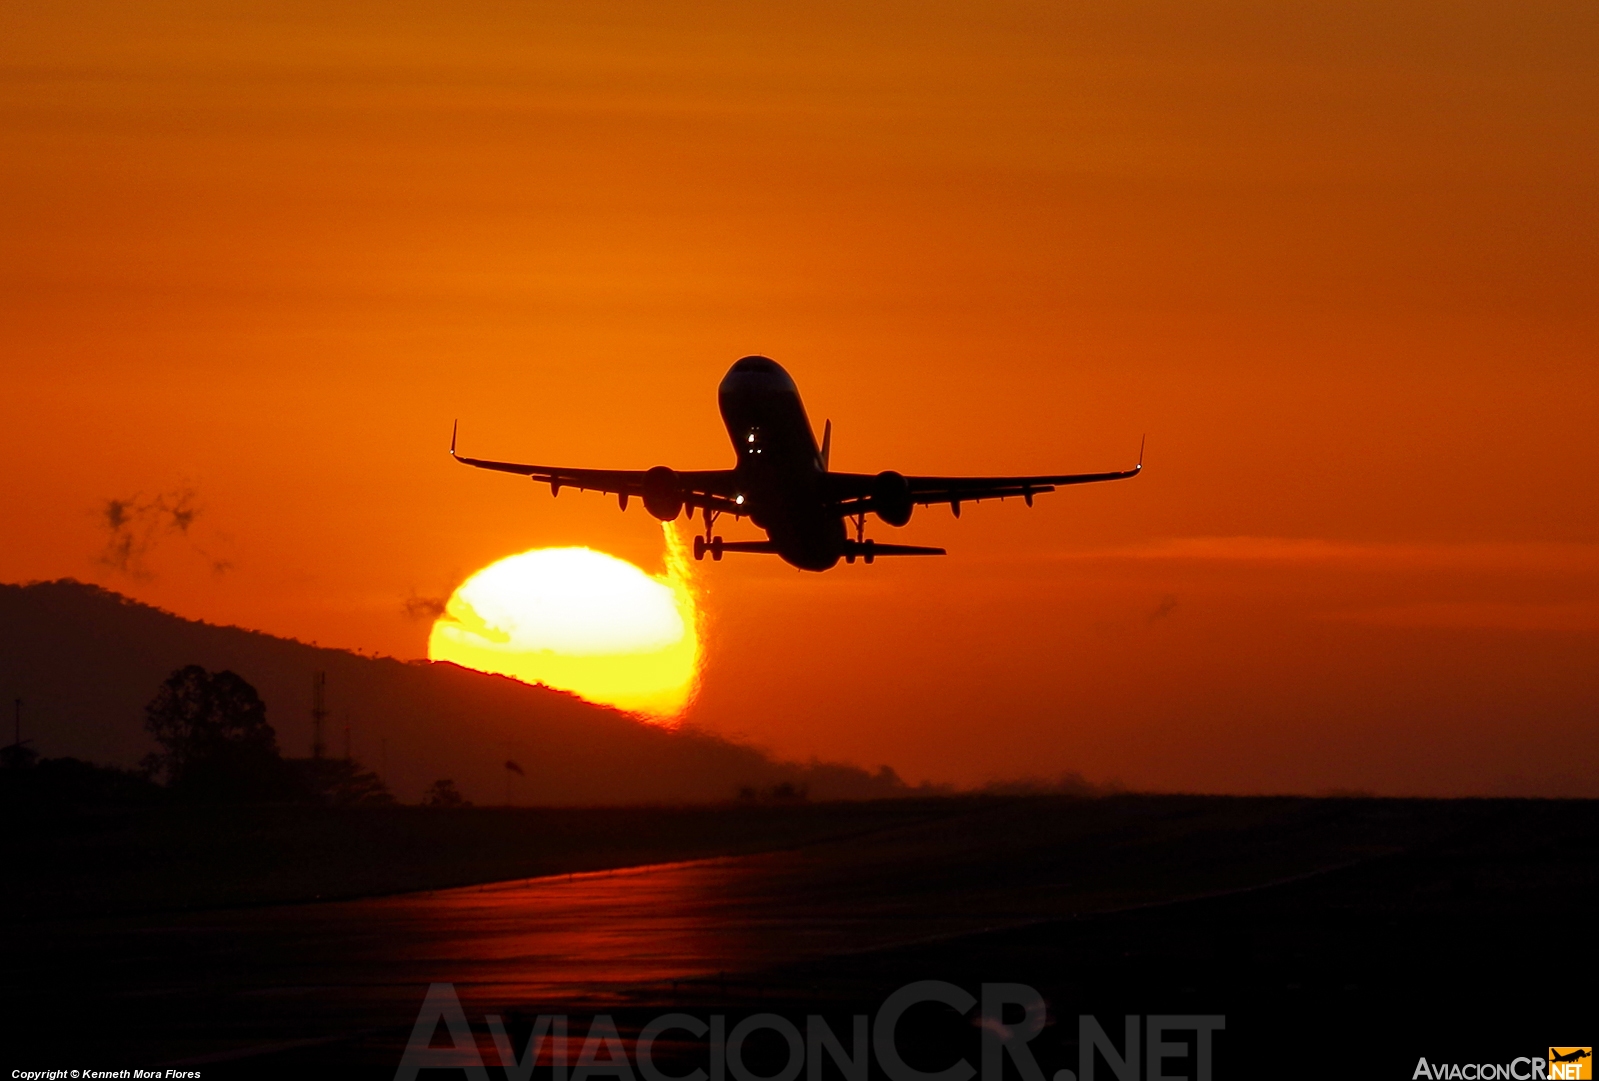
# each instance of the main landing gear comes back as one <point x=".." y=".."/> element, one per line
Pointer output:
<point x="859" y="546"/>
<point x="714" y="546"/>
<point x="867" y="550"/>
<point x="708" y="543"/>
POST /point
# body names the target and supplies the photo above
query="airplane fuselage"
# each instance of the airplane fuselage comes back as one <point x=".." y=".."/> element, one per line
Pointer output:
<point x="780" y="469"/>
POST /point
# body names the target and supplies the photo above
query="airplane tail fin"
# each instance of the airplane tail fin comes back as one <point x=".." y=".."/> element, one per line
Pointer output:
<point x="827" y="444"/>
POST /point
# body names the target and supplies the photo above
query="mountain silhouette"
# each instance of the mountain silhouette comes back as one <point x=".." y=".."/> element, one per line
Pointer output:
<point x="85" y="660"/>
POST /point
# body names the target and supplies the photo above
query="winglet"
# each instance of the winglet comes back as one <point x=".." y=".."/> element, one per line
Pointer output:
<point x="454" y="425"/>
<point x="827" y="444"/>
<point x="1141" y="441"/>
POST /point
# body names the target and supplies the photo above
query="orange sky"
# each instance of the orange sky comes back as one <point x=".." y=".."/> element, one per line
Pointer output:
<point x="1338" y="261"/>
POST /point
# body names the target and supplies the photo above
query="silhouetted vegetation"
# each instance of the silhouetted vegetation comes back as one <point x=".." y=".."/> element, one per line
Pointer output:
<point x="339" y="782"/>
<point x="442" y="793"/>
<point x="784" y="792"/>
<point x="28" y="779"/>
<point x="17" y="756"/>
<point x="215" y="743"/>
<point x="217" y="747"/>
<point x="1067" y="784"/>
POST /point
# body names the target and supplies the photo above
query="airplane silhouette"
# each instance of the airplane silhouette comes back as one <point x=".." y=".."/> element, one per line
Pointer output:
<point x="782" y="482"/>
<point x="1571" y="1056"/>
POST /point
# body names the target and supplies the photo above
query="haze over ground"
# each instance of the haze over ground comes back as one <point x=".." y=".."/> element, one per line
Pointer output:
<point x="1338" y="262"/>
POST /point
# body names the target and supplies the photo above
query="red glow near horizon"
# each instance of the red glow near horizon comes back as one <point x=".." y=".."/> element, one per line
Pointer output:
<point x="1338" y="265"/>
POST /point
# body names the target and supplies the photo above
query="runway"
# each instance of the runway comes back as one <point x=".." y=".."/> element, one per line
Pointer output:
<point x="233" y="986"/>
<point x="191" y="985"/>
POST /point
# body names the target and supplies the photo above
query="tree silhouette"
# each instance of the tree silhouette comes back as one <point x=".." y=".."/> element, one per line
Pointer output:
<point x="340" y="782"/>
<point x="443" y="793"/>
<point x="216" y="744"/>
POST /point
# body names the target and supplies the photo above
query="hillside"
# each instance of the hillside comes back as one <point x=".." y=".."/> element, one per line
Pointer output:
<point x="85" y="661"/>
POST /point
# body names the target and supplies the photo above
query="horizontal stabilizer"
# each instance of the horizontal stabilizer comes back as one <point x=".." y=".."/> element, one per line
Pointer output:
<point x="870" y="550"/>
<point x="867" y="550"/>
<point x="756" y="547"/>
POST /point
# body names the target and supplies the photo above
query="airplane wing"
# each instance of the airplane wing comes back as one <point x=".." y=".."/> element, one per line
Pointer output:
<point x="712" y="488"/>
<point x="854" y="490"/>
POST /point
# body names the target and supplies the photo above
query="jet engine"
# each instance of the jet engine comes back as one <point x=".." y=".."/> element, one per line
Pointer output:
<point x="891" y="497"/>
<point x="663" y="493"/>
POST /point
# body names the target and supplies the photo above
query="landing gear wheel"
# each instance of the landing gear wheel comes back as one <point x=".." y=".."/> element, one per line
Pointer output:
<point x="699" y="548"/>
<point x="716" y="549"/>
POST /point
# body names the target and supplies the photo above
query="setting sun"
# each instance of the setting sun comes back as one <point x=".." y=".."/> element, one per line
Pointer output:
<point x="582" y="621"/>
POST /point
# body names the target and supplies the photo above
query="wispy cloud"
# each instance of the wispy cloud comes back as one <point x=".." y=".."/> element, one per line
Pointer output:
<point x="1167" y="605"/>
<point x="1480" y="615"/>
<point x="1507" y="586"/>
<point x="419" y="607"/>
<point x="136" y="526"/>
<point x="1528" y="555"/>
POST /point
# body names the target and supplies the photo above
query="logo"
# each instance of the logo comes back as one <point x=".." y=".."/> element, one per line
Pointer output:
<point x="603" y="1052"/>
<point x="1563" y="1064"/>
<point x="1570" y="1064"/>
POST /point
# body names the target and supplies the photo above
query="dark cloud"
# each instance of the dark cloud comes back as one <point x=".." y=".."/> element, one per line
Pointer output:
<point x="136" y="526"/>
<point x="419" y="607"/>
<point x="1167" y="605"/>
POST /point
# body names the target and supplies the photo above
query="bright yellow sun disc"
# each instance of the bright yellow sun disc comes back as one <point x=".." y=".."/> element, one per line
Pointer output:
<point x="581" y="621"/>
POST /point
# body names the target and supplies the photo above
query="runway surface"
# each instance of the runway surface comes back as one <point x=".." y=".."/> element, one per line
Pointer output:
<point x="192" y="985"/>
<point x="233" y="986"/>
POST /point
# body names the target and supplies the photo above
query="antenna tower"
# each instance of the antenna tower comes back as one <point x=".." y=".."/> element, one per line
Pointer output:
<point x="319" y="712"/>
